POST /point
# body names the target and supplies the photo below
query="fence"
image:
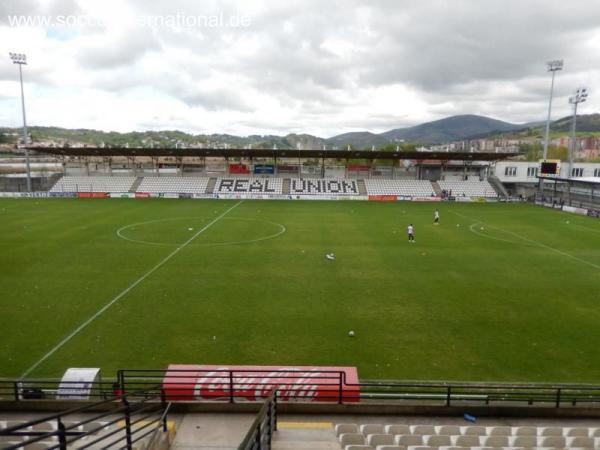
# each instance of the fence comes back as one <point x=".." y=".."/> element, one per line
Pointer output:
<point x="130" y="421"/>
<point x="325" y="386"/>
<point x="261" y="431"/>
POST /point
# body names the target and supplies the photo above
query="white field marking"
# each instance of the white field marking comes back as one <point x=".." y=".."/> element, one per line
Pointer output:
<point x="282" y="230"/>
<point x="540" y="244"/>
<point x="126" y="291"/>
<point x="491" y="237"/>
<point x="139" y="241"/>
<point x="585" y="228"/>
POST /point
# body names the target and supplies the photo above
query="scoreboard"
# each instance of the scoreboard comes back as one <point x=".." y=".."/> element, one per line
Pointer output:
<point x="549" y="168"/>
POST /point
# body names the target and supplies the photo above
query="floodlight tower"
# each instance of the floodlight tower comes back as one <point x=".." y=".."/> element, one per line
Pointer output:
<point x="553" y="66"/>
<point x="20" y="59"/>
<point x="579" y="97"/>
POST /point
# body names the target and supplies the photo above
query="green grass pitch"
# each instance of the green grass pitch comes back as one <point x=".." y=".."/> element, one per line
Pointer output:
<point x="495" y="292"/>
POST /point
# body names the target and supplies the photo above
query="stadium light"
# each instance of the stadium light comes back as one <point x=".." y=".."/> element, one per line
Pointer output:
<point x="553" y="66"/>
<point x="579" y="97"/>
<point x="21" y="59"/>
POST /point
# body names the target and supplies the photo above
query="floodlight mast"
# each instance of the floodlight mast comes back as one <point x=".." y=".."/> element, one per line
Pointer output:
<point x="20" y="59"/>
<point x="579" y="97"/>
<point x="553" y="66"/>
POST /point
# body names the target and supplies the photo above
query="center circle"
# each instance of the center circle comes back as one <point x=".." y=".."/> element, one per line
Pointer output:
<point x="176" y="231"/>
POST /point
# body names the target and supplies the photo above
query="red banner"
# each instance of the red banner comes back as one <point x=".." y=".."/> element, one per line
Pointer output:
<point x="92" y="195"/>
<point x="255" y="383"/>
<point x="383" y="198"/>
<point x="239" y="168"/>
<point x="357" y="168"/>
<point x="142" y="195"/>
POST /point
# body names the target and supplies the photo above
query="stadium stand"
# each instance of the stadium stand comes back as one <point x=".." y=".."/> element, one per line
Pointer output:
<point x="323" y="186"/>
<point x="235" y="185"/>
<point x="411" y="188"/>
<point x="175" y="185"/>
<point x="468" y="188"/>
<point x="93" y="184"/>
<point x="447" y="437"/>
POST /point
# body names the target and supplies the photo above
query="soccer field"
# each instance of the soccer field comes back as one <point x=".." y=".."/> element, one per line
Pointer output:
<point x="495" y="292"/>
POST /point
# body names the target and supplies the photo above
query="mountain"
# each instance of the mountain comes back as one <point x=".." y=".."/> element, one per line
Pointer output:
<point x="453" y="128"/>
<point x="588" y="122"/>
<point x="358" y="139"/>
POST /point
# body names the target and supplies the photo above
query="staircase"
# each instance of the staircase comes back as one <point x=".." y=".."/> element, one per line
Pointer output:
<point x="286" y="186"/>
<point x="304" y="435"/>
<point x="210" y="187"/>
<point x="497" y="185"/>
<point x="437" y="188"/>
<point x="136" y="184"/>
<point x="362" y="187"/>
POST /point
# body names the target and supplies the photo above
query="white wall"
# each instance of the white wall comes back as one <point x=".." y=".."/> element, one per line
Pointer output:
<point x="521" y="174"/>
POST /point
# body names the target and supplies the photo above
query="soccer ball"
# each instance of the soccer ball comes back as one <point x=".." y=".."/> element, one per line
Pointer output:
<point x="190" y="229"/>
<point x="351" y="333"/>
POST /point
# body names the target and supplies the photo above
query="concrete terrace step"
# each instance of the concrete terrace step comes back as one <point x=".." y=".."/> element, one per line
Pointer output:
<point x="308" y="435"/>
<point x="286" y="186"/>
<point x="362" y="188"/>
<point x="136" y="184"/>
<point x="437" y="188"/>
<point x="210" y="187"/>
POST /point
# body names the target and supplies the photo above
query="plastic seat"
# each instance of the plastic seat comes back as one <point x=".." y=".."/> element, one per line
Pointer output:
<point x="380" y="439"/>
<point x="397" y="429"/>
<point x="475" y="430"/>
<point x="525" y="431"/>
<point x="494" y="441"/>
<point x="523" y="441"/>
<point x="390" y="447"/>
<point x="552" y="441"/>
<point x="437" y="440"/>
<point x="580" y="442"/>
<point x="408" y="439"/>
<point x="550" y="431"/>
<point x="466" y="441"/>
<point x="341" y="428"/>
<point x="499" y="431"/>
<point x="577" y="432"/>
<point x="351" y="439"/>
<point x="370" y="428"/>
<point x="422" y="429"/>
<point x="448" y="430"/>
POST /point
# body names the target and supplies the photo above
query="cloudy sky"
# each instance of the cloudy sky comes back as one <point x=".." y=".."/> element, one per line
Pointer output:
<point x="321" y="67"/>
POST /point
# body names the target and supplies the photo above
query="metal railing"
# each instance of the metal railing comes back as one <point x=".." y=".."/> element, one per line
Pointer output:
<point x="255" y="385"/>
<point x="131" y="419"/>
<point x="261" y="431"/>
<point x="51" y="388"/>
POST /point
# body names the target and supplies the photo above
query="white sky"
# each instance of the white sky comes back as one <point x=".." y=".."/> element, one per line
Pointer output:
<point x="276" y="67"/>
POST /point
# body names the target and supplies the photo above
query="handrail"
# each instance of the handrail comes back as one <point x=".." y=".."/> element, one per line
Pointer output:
<point x="333" y="386"/>
<point x="138" y="423"/>
<point x="254" y="436"/>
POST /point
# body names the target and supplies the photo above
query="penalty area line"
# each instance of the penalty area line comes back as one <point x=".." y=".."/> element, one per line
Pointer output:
<point x="119" y="296"/>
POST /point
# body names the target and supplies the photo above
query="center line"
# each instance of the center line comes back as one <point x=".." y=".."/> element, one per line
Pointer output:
<point x="126" y="291"/>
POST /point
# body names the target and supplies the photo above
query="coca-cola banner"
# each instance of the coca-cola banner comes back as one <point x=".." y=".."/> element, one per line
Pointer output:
<point x="255" y="383"/>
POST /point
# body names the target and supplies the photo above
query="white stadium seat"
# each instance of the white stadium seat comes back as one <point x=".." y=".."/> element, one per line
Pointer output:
<point x="408" y="188"/>
<point x="468" y="188"/>
<point x="248" y="185"/>
<point x="323" y="186"/>
<point x="173" y="185"/>
<point x="93" y="184"/>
